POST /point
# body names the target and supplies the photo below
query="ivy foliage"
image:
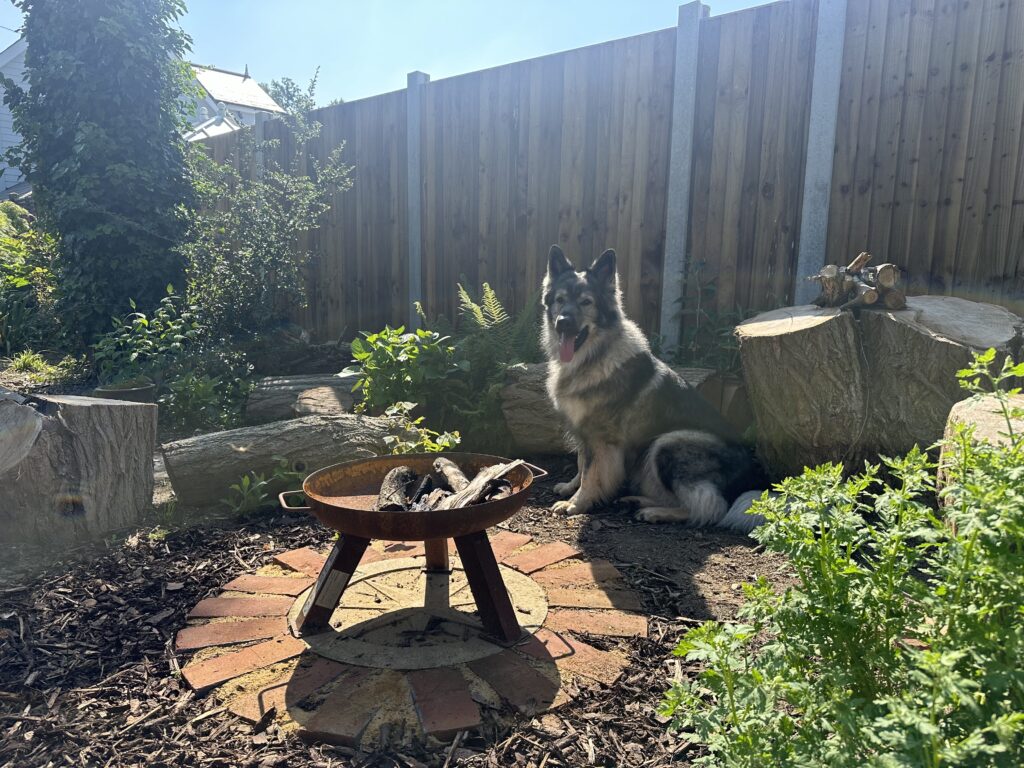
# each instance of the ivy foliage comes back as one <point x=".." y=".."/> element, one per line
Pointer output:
<point x="900" y="642"/>
<point x="101" y="116"/>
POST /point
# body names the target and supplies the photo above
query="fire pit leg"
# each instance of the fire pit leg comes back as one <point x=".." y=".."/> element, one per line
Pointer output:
<point x="330" y="585"/>
<point x="496" y="611"/>
<point x="437" y="555"/>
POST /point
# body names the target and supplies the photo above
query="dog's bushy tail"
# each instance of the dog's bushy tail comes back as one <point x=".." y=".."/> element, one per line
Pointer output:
<point x="738" y="517"/>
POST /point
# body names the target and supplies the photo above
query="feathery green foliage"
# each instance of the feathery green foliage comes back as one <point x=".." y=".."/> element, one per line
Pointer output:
<point x="901" y="643"/>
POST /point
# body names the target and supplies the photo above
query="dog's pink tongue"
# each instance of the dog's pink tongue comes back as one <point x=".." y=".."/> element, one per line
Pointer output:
<point x="566" y="347"/>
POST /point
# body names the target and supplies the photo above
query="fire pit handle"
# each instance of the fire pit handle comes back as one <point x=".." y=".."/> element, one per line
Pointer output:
<point x="284" y="504"/>
<point x="538" y="473"/>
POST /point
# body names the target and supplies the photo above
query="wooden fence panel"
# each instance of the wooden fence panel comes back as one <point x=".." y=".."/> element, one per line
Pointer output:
<point x="753" y="95"/>
<point x="570" y="148"/>
<point x="573" y="148"/>
<point x="928" y="159"/>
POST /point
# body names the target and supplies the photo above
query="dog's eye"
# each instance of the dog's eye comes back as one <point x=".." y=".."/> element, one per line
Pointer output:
<point x="560" y="301"/>
<point x="585" y="302"/>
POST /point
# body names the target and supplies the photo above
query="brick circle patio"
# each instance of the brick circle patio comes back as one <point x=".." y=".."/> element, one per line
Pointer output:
<point x="392" y="670"/>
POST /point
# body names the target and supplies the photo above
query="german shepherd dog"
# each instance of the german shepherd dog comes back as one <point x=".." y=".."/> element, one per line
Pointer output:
<point x="635" y="423"/>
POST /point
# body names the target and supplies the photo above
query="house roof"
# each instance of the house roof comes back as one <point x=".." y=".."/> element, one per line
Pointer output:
<point x="234" y="88"/>
<point x="8" y="54"/>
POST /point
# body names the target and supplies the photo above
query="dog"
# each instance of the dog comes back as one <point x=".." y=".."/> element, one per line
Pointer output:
<point x="634" y="422"/>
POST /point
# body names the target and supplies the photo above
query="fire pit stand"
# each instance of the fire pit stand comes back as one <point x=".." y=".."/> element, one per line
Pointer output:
<point x="342" y="496"/>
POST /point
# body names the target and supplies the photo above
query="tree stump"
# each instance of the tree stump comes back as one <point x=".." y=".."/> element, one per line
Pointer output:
<point x="73" y="468"/>
<point x="203" y="468"/>
<point x="827" y="385"/>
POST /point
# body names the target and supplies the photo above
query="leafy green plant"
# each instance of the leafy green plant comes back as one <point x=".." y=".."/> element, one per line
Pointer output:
<point x="29" y="362"/>
<point x="245" y="246"/>
<point x="144" y="346"/>
<point x="27" y="284"/>
<point x="413" y="436"/>
<point x="255" y="490"/>
<point x="206" y="389"/>
<point x="900" y="643"/>
<point x="394" y="367"/>
<point x="101" y="119"/>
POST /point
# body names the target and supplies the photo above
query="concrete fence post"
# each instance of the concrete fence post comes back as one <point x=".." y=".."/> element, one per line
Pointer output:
<point x="821" y="144"/>
<point x="417" y="83"/>
<point x="677" y="224"/>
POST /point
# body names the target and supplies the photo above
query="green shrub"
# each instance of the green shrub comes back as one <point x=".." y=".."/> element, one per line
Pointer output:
<point x="901" y="643"/>
<point x="395" y="366"/>
<point x="27" y="284"/>
<point x="245" y="247"/>
<point x="146" y="345"/>
<point x="414" y="437"/>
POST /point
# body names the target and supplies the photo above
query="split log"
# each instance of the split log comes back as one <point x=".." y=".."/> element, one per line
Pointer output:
<point x="202" y="468"/>
<point x="394" y="493"/>
<point x="73" y="468"/>
<point x="479" y="486"/>
<point x="323" y="401"/>
<point x="275" y="398"/>
<point x="827" y="386"/>
<point x="451" y="473"/>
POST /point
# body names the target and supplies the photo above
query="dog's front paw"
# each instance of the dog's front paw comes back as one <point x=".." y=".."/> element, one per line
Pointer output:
<point x="565" y="490"/>
<point x="564" y="507"/>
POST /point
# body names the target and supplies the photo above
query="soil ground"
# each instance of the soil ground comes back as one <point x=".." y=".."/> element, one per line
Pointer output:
<point x="89" y="675"/>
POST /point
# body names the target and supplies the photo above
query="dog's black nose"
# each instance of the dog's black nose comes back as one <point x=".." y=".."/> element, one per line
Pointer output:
<point x="565" y="324"/>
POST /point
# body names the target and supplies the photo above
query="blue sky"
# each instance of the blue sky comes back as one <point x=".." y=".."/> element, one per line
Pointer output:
<point x="368" y="47"/>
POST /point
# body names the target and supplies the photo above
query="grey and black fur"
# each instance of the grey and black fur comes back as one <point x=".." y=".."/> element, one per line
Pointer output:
<point x="637" y="426"/>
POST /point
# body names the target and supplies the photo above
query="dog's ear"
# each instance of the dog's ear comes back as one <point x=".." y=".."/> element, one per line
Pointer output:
<point x="603" y="268"/>
<point x="557" y="262"/>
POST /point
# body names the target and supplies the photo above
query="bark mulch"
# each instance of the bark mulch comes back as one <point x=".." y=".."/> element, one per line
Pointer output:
<point x="89" y="675"/>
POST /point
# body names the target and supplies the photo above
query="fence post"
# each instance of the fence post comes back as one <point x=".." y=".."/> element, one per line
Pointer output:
<point x="821" y="145"/>
<point x="677" y="219"/>
<point x="416" y="85"/>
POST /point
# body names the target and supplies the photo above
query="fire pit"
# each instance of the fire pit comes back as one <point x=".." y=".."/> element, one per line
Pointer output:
<point x="342" y="497"/>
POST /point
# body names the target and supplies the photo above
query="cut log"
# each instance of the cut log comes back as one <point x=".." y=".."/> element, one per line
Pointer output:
<point x="450" y="471"/>
<point x="73" y="468"/>
<point x="532" y="421"/>
<point x="827" y="386"/>
<point x="323" y="401"/>
<point x="395" y="490"/>
<point x="202" y="468"/>
<point x="985" y="415"/>
<point x="275" y="398"/>
<point x="804" y="379"/>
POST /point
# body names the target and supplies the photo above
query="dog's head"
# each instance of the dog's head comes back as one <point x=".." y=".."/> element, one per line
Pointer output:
<point x="579" y="307"/>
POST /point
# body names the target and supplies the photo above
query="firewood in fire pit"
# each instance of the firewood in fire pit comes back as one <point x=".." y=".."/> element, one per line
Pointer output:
<point x="479" y="486"/>
<point x="394" y="491"/>
<point x="451" y="473"/>
<point x="426" y="484"/>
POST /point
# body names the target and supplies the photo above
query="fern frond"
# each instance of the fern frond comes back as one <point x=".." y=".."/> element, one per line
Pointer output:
<point x="492" y="308"/>
<point x="470" y="310"/>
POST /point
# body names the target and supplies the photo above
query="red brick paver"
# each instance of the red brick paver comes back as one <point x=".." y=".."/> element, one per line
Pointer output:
<point x="614" y="623"/>
<point x="579" y="574"/>
<point x="343" y="716"/>
<point x="218" y="607"/>
<point x="270" y="585"/>
<point x="516" y="681"/>
<point x="541" y="557"/>
<point x="289" y="689"/>
<point x="443" y="701"/>
<point x="204" y="675"/>
<point x="305" y="560"/>
<point x="574" y="655"/>
<point x="622" y="599"/>
<point x="504" y="543"/>
<point x="228" y="632"/>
